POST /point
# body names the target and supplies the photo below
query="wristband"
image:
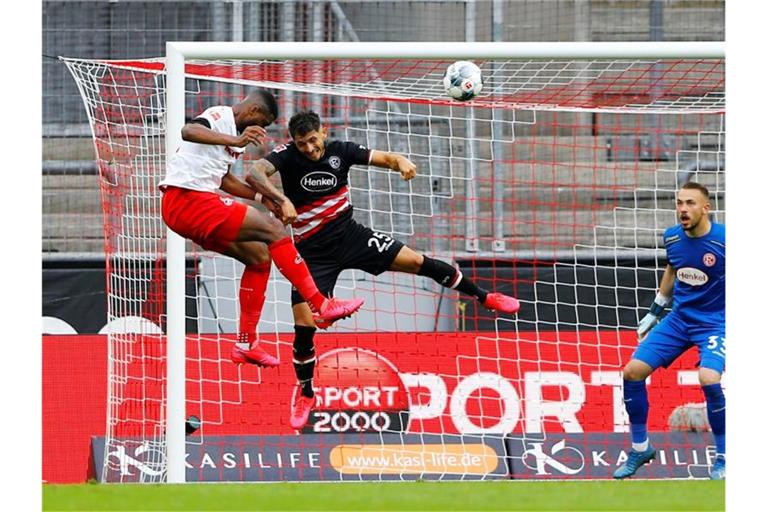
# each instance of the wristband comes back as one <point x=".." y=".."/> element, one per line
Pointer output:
<point x="658" y="305"/>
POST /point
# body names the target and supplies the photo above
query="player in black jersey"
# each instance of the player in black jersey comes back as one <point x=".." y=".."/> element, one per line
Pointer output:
<point x="314" y="176"/>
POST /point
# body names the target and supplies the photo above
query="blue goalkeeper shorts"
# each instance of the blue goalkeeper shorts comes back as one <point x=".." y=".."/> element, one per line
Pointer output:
<point x="673" y="335"/>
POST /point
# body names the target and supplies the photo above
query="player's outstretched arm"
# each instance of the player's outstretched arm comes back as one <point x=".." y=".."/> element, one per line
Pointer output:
<point x="663" y="298"/>
<point x="237" y="187"/>
<point x="194" y="132"/>
<point x="231" y="184"/>
<point x="394" y="161"/>
<point x="258" y="179"/>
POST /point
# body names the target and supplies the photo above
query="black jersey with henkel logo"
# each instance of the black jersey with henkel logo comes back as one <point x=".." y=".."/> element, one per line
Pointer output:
<point x="319" y="190"/>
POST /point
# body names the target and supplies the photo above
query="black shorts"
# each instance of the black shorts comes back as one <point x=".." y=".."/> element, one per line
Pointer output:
<point x="345" y="245"/>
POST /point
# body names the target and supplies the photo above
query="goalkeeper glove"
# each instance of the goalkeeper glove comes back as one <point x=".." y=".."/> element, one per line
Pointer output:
<point x="653" y="316"/>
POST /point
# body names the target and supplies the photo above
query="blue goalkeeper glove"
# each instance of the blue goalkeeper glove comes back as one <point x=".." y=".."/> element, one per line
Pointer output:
<point x="653" y="316"/>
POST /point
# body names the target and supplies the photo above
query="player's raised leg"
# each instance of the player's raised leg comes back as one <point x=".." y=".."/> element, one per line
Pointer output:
<point x="636" y="404"/>
<point x="408" y="260"/>
<point x="257" y="226"/>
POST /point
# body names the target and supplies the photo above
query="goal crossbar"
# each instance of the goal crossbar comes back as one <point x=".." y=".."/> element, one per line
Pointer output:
<point x="453" y="50"/>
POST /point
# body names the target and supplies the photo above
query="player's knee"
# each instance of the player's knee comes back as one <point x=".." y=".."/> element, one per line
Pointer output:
<point x="629" y="374"/>
<point x="274" y="230"/>
<point x="257" y="256"/>
<point x="418" y="261"/>
<point x="411" y="261"/>
<point x="636" y="370"/>
<point x="707" y="376"/>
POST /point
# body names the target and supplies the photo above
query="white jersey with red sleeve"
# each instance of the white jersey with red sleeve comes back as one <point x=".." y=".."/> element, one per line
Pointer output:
<point x="201" y="167"/>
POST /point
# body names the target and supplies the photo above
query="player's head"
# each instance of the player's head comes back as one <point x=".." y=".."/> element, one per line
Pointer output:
<point x="258" y="108"/>
<point x="693" y="206"/>
<point x="308" y="134"/>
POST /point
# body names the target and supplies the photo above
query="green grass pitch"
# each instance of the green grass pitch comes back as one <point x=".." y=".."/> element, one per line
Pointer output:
<point x="492" y="495"/>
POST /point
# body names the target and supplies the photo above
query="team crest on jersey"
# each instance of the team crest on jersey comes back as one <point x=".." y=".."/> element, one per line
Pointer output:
<point x="709" y="259"/>
<point x="334" y="162"/>
<point x="318" y="181"/>
<point x="228" y="201"/>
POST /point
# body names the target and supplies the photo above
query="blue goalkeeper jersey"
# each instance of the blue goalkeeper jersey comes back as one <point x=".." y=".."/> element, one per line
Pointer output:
<point x="699" y="264"/>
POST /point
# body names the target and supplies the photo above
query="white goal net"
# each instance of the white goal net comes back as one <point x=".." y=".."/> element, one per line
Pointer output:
<point x="553" y="186"/>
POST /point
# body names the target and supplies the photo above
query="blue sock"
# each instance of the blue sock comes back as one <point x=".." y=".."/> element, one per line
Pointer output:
<point x="716" y="414"/>
<point x="636" y="403"/>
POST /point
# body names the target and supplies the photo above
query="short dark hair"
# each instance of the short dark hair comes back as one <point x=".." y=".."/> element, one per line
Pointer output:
<point x="303" y="122"/>
<point x="269" y="101"/>
<point x="692" y="185"/>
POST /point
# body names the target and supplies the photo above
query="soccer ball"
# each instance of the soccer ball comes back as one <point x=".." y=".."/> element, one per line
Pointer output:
<point x="463" y="80"/>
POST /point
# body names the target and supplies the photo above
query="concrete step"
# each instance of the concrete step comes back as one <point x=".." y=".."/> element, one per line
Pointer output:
<point x="613" y="21"/>
<point x="68" y="148"/>
<point x="72" y="226"/>
<point x="71" y="201"/>
<point x="539" y="174"/>
<point x="515" y="143"/>
<point x="79" y="245"/>
<point x="70" y="181"/>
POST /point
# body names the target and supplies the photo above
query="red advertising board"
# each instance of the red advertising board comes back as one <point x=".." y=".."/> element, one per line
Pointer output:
<point x="74" y="392"/>
<point x="457" y="383"/>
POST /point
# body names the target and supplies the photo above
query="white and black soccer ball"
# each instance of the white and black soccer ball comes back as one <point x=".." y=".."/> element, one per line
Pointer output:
<point x="463" y="80"/>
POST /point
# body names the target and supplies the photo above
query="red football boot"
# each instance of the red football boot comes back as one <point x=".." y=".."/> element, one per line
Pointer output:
<point x="502" y="303"/>
<point x="335" y="309"/>
<point x="255" y="355"/>
<point x="300" y="411"/>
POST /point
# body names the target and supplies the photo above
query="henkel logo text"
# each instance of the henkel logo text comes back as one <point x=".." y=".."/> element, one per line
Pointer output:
<point x="692" y="276"/>
<point x="358" y="391"/>
<point x="318" y="181"/>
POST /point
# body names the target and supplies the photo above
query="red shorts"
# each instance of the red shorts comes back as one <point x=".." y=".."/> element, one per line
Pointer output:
<point x="210" y="220"/>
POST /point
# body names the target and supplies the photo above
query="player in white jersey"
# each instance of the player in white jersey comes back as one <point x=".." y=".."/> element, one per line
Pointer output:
<point x="191" y="207"/>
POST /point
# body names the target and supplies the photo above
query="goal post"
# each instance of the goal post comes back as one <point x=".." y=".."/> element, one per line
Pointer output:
<point x="176" y="404"/>
<point x="596" y="128"/>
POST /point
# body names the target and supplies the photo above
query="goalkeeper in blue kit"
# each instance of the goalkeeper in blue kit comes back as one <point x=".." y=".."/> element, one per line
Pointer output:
<point x="695" y="277"/>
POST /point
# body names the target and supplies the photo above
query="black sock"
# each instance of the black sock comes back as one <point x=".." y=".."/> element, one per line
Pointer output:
<point x="304" y="358"/>
<point x="449" y="277"/>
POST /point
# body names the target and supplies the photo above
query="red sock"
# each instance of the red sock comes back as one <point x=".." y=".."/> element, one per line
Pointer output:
<point x="253" y="286"/>
<point x="292" y="266"/>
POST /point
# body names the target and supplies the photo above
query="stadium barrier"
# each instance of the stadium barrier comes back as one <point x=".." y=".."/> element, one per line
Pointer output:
<point x="417" y="385"/>
<point x="332" y="457"/>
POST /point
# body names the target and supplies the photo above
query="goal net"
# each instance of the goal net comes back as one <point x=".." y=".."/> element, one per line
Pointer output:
<point x="554" y="186"/>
